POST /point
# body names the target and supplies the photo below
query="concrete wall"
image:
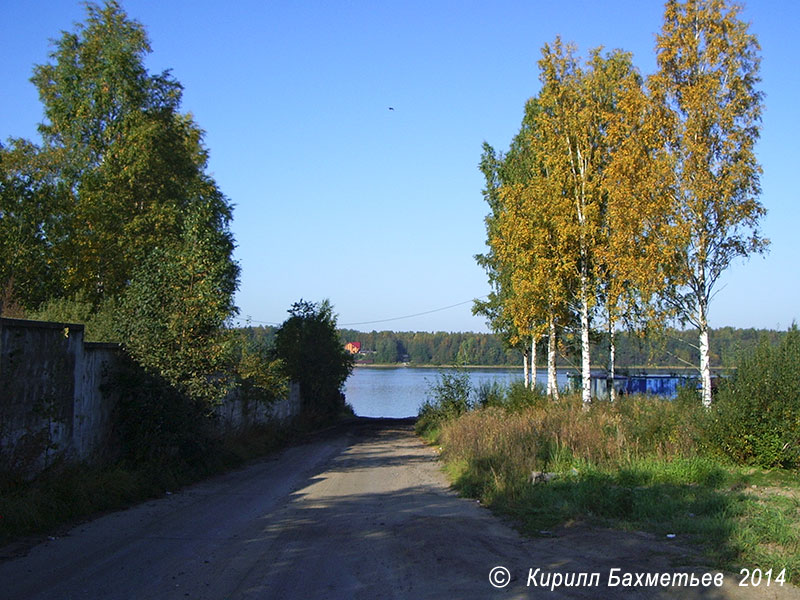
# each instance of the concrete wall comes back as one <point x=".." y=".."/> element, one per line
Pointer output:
<point x="50" y="400"/>
<point x="54" y="404"/>
<point x="237" y="413"/>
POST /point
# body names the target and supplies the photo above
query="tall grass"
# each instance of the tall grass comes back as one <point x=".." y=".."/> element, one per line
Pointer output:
<point x="638" y="463"/>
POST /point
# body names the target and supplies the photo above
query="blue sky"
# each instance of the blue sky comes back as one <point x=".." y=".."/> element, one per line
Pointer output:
<point x="381" y="211"/>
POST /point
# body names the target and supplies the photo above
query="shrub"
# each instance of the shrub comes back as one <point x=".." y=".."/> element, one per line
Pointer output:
<point x="312" y="354"/>
<point x="98" y="320"/>
<point x="490" y="393"/>
<point x="450" y="396"/>
<point x="756" y="416"/>
<point x="518" y="396"/>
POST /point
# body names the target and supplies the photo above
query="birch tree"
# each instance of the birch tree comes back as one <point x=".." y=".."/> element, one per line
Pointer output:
<point x="496" y="307"/>
<point x="637" y="256"/>
<point x="708" y="72"/>
<point x="578" y="104"/>
<point x="131" y="165"/>
<point x="529" y="245"/>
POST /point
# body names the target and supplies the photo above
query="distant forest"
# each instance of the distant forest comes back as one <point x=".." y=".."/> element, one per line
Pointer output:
<point x="673" y="348"/>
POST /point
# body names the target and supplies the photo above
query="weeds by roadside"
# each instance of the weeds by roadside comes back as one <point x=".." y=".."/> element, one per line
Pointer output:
<point x="640" y="463"/>
<point x="66" y="494"/>
<point x="668" y="467"/>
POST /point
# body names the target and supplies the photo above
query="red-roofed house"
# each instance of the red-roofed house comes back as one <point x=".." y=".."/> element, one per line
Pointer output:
<point x="353" y="347"/>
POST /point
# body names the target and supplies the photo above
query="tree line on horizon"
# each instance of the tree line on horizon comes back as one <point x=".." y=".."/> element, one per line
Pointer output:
<point x="623" y="198"/>
<point x="673" y="348"/>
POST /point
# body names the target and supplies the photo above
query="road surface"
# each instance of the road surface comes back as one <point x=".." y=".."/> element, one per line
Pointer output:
<point x="362" y="511"/>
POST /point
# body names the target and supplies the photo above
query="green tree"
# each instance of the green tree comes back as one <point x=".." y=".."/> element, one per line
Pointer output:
<point x="387" y="350"/>
<point x="118" y="203"/>
<point x="28" y="226"/>
<point x="129" y="163"/>
<point x="313" y="355"/>
<point x="756" y="417"/>
<point x="708" y="72"/>
<point x="173" y="312"/>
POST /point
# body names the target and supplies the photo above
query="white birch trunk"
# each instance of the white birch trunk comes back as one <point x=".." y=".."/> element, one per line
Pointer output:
<point x="533" y="362"/>
<point x="586" y="372"/>
<point x="705" y="361"/>
<point x="552" y="381"/>
<point x="525" y="368"/>
<point x="612" y="346"/>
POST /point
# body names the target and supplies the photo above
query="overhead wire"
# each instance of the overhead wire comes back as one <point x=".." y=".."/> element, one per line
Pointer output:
<point x="427" y="312"/>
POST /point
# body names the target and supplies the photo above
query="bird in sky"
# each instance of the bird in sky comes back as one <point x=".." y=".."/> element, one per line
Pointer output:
<point x="391" y="108"/>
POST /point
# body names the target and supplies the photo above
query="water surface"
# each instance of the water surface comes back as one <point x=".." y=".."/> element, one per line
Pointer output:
<point x="400" y="391"/>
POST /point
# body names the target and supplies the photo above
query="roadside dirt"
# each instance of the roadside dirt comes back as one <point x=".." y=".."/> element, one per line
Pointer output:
<point x="363" y="512"/>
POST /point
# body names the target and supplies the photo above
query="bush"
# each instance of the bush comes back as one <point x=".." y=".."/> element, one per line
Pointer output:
<point x="513" y="396"/>
<point x="756" y="416"/>
<point x="449" y="397"/>
<point x="490" y="393"/>
<point x="312" y="354"/>
<point x="98" y="320"/>
<point x="518" y="396"/>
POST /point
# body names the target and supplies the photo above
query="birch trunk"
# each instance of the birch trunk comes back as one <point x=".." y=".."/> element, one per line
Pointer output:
<point x="612" y="346"/>
<point x="705" y="361"/>
<point x="586" y="372"/>
<point x="552" y="382"/>
<point x="525" y="368"/>
<point x="533" y="361"/>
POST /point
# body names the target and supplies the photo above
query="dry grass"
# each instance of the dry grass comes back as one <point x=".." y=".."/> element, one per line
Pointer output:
<point x="544" y="436"/>
<point x="638" y="463"/>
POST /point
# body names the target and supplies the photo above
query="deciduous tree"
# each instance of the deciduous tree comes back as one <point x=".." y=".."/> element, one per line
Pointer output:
<point x="179" y="299"/>
<point x="578" y="104"/>
<point x="114" y="140"/>
<point x="314" y="356"/>
<point x="707" y="78"/>
<point x="29" y="227"/>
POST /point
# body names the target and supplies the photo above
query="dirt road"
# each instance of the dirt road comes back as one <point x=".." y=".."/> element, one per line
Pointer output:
<point x="361" y="512"/>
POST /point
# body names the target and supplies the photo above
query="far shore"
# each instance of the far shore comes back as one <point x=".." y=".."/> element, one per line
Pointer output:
<point x="619" y="370"/>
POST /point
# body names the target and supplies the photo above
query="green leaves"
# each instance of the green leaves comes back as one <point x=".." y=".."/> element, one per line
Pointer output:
<point x="175" y="307"/>
<point x="29" y="225"/>
<point x="314" y="356"/>
<point x="756" y="415"/>
<point x="115" y="209"/>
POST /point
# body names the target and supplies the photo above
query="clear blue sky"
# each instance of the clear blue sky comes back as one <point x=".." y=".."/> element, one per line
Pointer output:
<point x="381" y="211"/>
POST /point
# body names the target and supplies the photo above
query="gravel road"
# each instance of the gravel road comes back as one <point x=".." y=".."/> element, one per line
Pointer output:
<point x="361" y="511"/>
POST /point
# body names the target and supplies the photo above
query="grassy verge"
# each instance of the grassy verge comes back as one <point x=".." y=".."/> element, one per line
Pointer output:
<point x="638" y="464"/>
<point x="67" y="494"/>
